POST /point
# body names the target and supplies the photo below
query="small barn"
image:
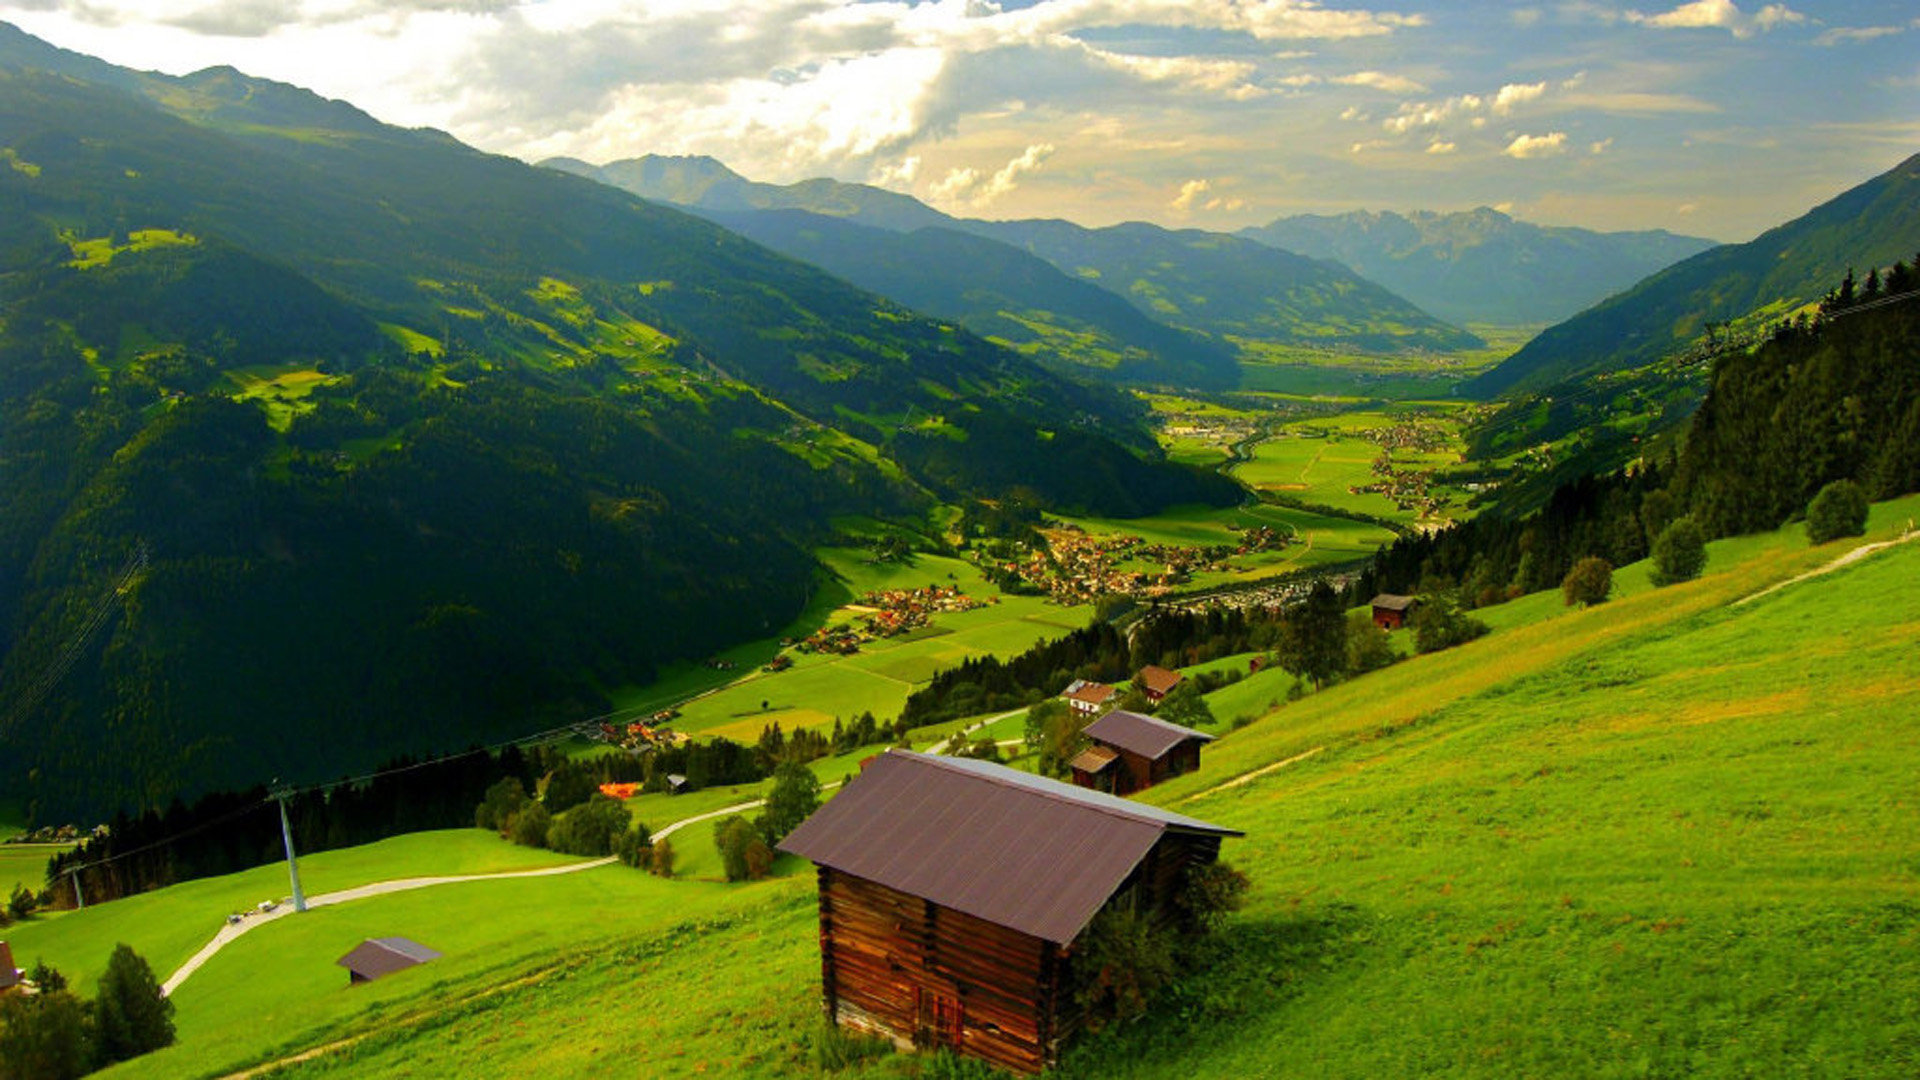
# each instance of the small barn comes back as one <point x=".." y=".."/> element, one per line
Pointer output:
<point x="1157" y="682"/>
<point x="953" y="891"/>
<point x="1391" y="611"/>
<point x="1131" y="752"/>
<point x="378" y="957"/>
<point x="1088" y="698"/>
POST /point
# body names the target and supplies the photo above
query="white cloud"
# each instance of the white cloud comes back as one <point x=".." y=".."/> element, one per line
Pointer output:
<point x="1439" y="147"/>
<point x="1600" y="147"/>
<point x="901" y="173"/>
<point x="1516" y="94"/>
<point x="1190" y="193"/>
<point x="1719" y="14"/>
<point x="1380" y="80"/>
<point x="1848" y="34"/>
<point x="967" y="186"/>
<point x="1525" y="147"/>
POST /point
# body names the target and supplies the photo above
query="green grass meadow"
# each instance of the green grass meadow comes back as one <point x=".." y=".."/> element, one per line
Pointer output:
<point x="1668" y="836"/>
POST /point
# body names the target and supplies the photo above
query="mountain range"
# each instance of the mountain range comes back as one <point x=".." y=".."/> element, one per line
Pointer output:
<point x="499" y="436"/>
<point x="1482" y="266"/>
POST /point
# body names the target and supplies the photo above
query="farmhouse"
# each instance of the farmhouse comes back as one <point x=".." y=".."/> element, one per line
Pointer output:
<point x="1157" y="682"/>
<point x="1390" y="611"/>
<point x="377" y="957"/>
<point x="1088" y="698"/>
<point x="953" y="891"/>
<point x="1131" y="752"/>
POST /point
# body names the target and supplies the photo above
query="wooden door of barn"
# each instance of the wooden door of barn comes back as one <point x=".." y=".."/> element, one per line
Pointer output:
<point x="940" y="1018"/>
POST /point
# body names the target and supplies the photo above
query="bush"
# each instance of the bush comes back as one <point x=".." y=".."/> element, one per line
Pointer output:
<point x="795" y="796"/>
<point x="528" y="828"/>
<point x="1120" y="961"/>
<point x="635" y="847"/>
<point x="590" y="828"/>
<point x="744" y="853"/>
<point x="1369" y="647"/>
<point x="1210" y="893"/>
<point x="662" y="858"/>
<point x="1438" y="623"/>
<point x="1589" y="582"/>
<point x="1840" y="509"/>
<point x="1679" y="552"/>
<point x="504" y="799"/>
<point x="45" y="1036"/>
<point x="835" y="1048"/>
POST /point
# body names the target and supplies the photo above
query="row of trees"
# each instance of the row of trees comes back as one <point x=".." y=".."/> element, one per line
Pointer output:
<point x="54" y="1035"/>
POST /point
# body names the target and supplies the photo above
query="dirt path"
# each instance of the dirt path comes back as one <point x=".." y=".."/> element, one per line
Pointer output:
<point x="1250" y="777"/>
<point x="1849" y="558"/>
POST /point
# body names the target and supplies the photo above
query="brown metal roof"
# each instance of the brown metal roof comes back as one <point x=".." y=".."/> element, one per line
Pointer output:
<point x="1387" y="601"/>
<point x="1092" y="693"/>
<point x="1143" y="735"/>
<point x="375" y="957"/>
<point x="1158" y="680"/>
<point x="1093" y="759"/>
<point x="1015" y="849"/>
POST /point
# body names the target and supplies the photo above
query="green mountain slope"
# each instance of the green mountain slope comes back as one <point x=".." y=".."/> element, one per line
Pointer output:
<point x="1481" y="266"/>
<point x="1234" y="288"/>
<point x="998" y="291"/>
<point x="1241" y="292"/>
<point x="1765" y="279"/>
<point x="1669" y="835"/>
<point x="326" y="441"/>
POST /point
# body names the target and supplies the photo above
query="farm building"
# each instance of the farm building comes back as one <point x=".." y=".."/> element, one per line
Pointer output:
<point x="953" y="891"/>
<point x="10" y="977"/>
<point x="378" y="957"/>
<point x="1390" y="611"/>
<point x="1131" y="752"/>
<point x="1086" y="697"/>
<point x="1157" y="682"/>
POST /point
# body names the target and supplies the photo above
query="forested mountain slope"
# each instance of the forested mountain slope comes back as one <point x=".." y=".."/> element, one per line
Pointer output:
<point x="1764" y="279"/>
<point x="326" y="441"/>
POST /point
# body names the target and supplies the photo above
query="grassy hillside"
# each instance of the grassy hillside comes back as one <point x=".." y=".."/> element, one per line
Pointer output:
<point x="1670" y="835"/>
<point x="1748" y="285"/>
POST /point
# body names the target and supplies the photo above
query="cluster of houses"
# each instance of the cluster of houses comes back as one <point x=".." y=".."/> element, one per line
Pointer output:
<point x="1075" y="568"/>
<point x="1410" y="489"/>
<point x="887" y="613"/>
<point x="954" y="893"/>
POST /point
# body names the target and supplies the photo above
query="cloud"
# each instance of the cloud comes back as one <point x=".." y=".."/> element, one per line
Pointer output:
<point x="1526" y="147"/>
<point x="1380" y="80"/>
<point x="1719" y="14"/>
<point x="1640" y="103"/>
<point x="1516" y="94"/>
<point x="1190" y="193"/>
<point x="1439" y="147"/>
<point x="966" y="185"/>
<point x="1848" y="34"/>
<point x="1600" y="147"/>
<point x="900" y="174"/>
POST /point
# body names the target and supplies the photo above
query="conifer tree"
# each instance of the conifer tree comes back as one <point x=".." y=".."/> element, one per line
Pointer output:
<point x="130" y="1014"/>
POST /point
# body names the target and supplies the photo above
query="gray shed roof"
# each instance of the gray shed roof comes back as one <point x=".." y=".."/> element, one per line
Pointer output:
<point x="1144" y="735"/>
<point x="1015" y="849"/>
<point x="375" y="957"/>
<point x="1394" y="602"/>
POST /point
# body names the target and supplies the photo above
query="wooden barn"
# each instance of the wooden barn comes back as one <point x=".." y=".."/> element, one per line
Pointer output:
<point x="1390" y="611"/>
<point x="1131" y="752"/>
<point x="952" y="892"/>
<point x="10" y="977"/>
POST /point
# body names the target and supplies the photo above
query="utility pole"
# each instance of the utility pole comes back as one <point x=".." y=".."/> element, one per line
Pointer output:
<point x="79" y="901"/>
<point x="293" y="863"/>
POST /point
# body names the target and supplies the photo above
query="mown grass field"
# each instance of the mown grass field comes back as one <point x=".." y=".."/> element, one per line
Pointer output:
<point x="1321" y="460"/>
<point x="25" y="864"/>
<point x="1322" y="539"/>
<point x="1667" y="836"/>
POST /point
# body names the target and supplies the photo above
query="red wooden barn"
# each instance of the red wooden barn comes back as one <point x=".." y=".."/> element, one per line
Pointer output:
<point x="1390" y="611"/>
<point x="952" y="892"/>
<point x="1131" y="752"/>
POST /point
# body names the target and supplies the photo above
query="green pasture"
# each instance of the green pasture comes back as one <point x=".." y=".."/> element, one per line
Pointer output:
<point x="25" y="864"/>
<point x="1669" y="835"/>
<point x="282" y="388"/>
<point x="170" y="925"/>
<point x="1322" y="539"/>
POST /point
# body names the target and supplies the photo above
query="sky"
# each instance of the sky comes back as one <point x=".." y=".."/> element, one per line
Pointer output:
<point x="1714" y="118"/>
